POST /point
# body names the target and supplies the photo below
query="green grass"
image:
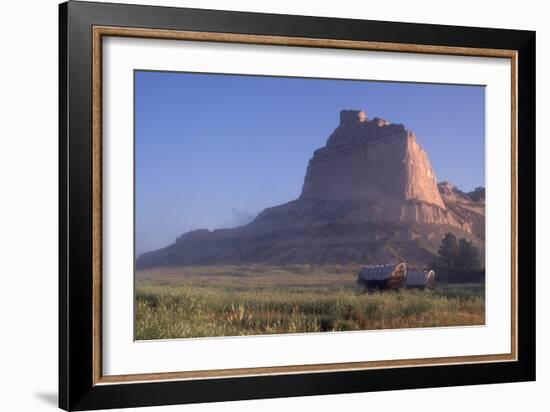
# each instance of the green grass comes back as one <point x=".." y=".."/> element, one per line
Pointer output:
<point x="251" y="300"/>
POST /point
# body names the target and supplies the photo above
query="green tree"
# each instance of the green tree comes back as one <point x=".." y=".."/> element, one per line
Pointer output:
<point x="468" y="263"/>
<point x="447" y="256"/>
<point x="459" y="261"/>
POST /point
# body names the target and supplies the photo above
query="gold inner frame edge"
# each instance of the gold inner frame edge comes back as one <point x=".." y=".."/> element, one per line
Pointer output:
<point x="99" y="32"/>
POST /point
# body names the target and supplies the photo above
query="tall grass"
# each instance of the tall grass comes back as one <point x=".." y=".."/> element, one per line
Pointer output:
<point x="227" y="307"/>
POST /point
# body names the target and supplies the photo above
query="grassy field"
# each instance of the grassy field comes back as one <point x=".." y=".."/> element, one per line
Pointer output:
<point x="250" y="300"/>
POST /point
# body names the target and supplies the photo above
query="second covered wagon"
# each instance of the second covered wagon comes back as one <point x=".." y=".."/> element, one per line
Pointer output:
<point x="420" y="280"/>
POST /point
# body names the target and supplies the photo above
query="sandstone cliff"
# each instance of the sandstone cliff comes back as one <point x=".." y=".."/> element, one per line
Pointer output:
<point x="373" y="160"/>
<point x="369" y="195"/>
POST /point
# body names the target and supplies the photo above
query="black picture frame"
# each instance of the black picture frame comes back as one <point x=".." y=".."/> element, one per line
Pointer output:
<point x="77" y="390"/>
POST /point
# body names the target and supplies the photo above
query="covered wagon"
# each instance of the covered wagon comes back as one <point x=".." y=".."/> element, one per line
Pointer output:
<point x="382" y="277"/>
<point x="421" y="280"/>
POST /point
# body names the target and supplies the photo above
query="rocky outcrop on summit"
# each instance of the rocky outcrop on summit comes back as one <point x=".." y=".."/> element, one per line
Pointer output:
<point x="369" y="195"/>
<point x="373" y="160"/>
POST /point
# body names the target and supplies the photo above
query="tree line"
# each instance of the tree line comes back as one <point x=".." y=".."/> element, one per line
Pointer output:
<point x="459" y="261"/>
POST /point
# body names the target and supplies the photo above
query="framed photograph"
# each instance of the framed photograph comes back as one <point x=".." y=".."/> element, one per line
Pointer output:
<point x="256" y="205"/>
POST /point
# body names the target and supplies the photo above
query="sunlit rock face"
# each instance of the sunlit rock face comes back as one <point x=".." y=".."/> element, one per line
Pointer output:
<point x="370" y="195"/>
<point x="371" y="160"/>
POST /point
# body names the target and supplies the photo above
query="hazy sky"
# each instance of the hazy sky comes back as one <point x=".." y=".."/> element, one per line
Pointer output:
<point x="212" y="151"/>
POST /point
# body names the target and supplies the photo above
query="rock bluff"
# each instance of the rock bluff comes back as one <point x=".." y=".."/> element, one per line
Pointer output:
<point x="369" y="195"/>
<point x="371" y="160"/>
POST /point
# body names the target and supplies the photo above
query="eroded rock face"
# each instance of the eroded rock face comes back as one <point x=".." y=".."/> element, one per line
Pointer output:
<point x="371" y="160"/>
<point x="370" y="195"/>
<point x="467" y="208"/>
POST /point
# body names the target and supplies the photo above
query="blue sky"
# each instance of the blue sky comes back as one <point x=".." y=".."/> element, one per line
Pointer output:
<point x="212" y="150"/>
